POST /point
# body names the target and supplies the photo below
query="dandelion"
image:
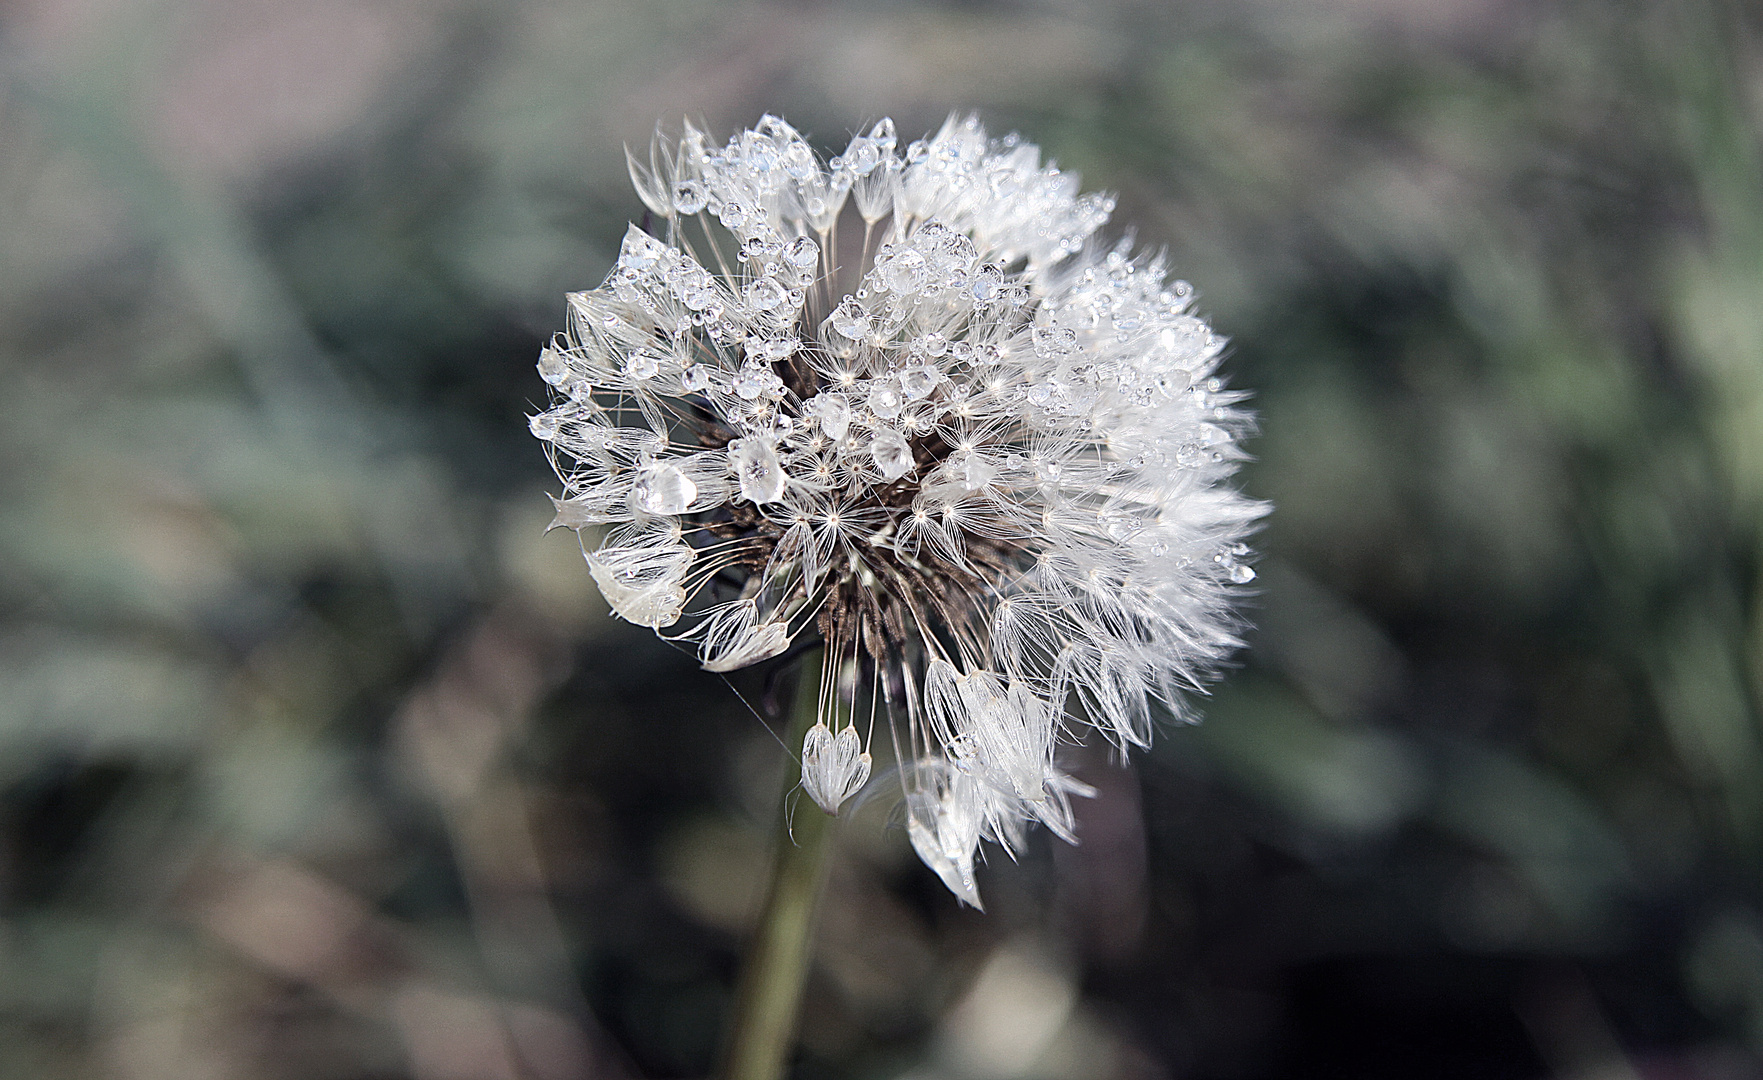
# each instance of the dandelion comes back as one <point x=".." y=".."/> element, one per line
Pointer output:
<point x="905" y="404"/>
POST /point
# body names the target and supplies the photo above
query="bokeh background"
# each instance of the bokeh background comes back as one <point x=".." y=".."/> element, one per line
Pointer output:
<point x="319" y="759"/>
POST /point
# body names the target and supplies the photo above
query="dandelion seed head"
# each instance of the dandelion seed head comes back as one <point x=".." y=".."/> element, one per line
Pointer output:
<point x="907" y="401"/>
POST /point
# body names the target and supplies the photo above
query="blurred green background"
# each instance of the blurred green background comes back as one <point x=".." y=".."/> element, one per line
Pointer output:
<point x="318" y="759"/>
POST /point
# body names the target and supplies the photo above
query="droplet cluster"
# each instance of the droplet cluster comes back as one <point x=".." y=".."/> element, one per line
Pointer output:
<point x="905" y="401"/>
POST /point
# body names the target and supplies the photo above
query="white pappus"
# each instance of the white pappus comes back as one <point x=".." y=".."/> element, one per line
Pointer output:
<point x="905" y="402"/>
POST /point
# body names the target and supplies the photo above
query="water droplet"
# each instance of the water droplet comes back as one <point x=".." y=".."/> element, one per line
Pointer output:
<point x="833" y="415"/>
<point x="732" y="215"/>
<point x="544" y="426"/>
<point x="756" y="467"/>
<point x="762" y="160"/>
<point x="799" y="160"/>
<point x="642" y="367"/>
<point x="892" y="456"/>
<point x="695" y="378"/>
<point x="1053" y="340"/>
<point x="1175" y="381"/>
<point x="701" y="296"/>
<point x="688" y="197"/>
<point x="639" y="251"/>
<point x="1242" y="574"/>
<point x="802" y="252"/>
<point x="663" y="489"/>
<point x="851" y="320"/>
<point x="764" y="295"/>
<point x="975" y="471"/>
<point x="751" y="381"/>
<point x="552" y="367"/>
<point x="772" y="349"/>
<point x="985" y="284"/>
<point x="918" y="381"/>
<point x="906" y="272"/>
<point x="862" y="156"/>
<point x="885" y="399"/>
<point x="778" y="426"/>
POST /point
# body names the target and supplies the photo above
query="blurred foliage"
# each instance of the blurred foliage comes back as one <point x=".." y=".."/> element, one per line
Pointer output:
<point x="319" y="759"/>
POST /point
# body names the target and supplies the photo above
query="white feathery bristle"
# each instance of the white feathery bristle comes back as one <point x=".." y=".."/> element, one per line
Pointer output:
<point x="905" y="401"/>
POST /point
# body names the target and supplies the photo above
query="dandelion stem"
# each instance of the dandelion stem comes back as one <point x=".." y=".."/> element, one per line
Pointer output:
<point x="770" y="992"/>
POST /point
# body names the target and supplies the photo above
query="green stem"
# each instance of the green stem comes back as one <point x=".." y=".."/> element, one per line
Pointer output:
<point x="770" y="992"/>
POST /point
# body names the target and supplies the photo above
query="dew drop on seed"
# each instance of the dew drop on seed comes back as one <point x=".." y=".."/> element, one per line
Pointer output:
<point x="885" y="399"/>
<point x="802" y="253"/>
<point x="764" y="295"/>
<point x="756" y="466"/>
<point x="918" y="381"/>
<point x="552" y="368"/>
<point x="850" y="319"/>
<point x="664" y="489"/>
<point x="688" y="197"/>
<point x="832" y="413"/>
<point x="892" y="456"/>
<point x="750" y="382"/>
